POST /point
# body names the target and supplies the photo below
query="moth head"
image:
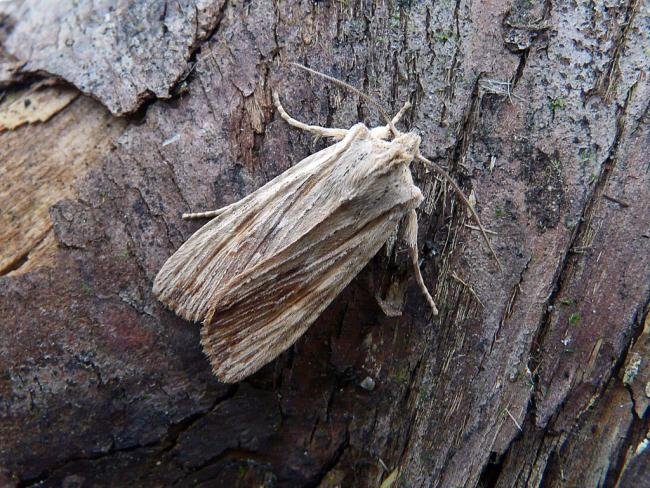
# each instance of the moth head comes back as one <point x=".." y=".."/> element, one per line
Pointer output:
<point x="409" y="143"/>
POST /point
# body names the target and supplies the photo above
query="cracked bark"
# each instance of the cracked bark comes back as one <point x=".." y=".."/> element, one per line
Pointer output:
<point x="534" y="376"/>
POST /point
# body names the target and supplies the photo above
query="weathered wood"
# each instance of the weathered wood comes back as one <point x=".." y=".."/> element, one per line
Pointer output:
<point x="534" y="376"/>
<point x="42" y="163"/>
<point x="38" y="104"/>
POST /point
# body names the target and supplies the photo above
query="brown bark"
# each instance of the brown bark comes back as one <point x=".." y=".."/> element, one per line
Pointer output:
<point x="534" y="376"/>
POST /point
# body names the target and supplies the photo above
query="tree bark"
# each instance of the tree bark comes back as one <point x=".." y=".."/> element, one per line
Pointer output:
<point x="119" y="116"/>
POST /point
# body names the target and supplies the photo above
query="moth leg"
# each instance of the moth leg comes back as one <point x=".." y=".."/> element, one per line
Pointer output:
<point x="412" y="242"/>
<point x="314" y="129"/>
<point x="205" y="215"/>
<point x="384" y="131"/>
<point x="402" y="111"/>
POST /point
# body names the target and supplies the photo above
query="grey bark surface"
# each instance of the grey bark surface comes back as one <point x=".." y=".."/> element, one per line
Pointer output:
<point x="118" y="51"/>
<point x="536" y="375"/>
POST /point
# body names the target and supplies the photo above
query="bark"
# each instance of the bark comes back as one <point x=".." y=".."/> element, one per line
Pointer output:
<point x="536" y="375"/>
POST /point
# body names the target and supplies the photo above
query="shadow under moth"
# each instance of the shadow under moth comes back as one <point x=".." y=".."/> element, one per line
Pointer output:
<point x="265" y="267"/>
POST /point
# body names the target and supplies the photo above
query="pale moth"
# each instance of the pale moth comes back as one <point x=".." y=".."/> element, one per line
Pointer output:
<point x="264" y="268"/>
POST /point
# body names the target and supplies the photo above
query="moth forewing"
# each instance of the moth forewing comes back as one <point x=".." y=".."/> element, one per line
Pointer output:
<point x="211" y="260"/>
<point x="261" y="272"/>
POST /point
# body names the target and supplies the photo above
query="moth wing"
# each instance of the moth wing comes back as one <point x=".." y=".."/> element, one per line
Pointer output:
<point x="261" y="272"/>
<point x="280" y="298"/>
<point x="191" y="280"/>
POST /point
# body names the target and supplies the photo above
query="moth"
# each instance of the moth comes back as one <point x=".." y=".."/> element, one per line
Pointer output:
<point x="265" y="267"/>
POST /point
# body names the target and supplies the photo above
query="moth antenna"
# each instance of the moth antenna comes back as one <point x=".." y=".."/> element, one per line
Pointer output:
<point x="367" y="98"/>
<point x="438" y="169"/>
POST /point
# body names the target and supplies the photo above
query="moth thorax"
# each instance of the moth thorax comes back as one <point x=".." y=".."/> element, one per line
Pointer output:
<point x="409" y="142"/>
